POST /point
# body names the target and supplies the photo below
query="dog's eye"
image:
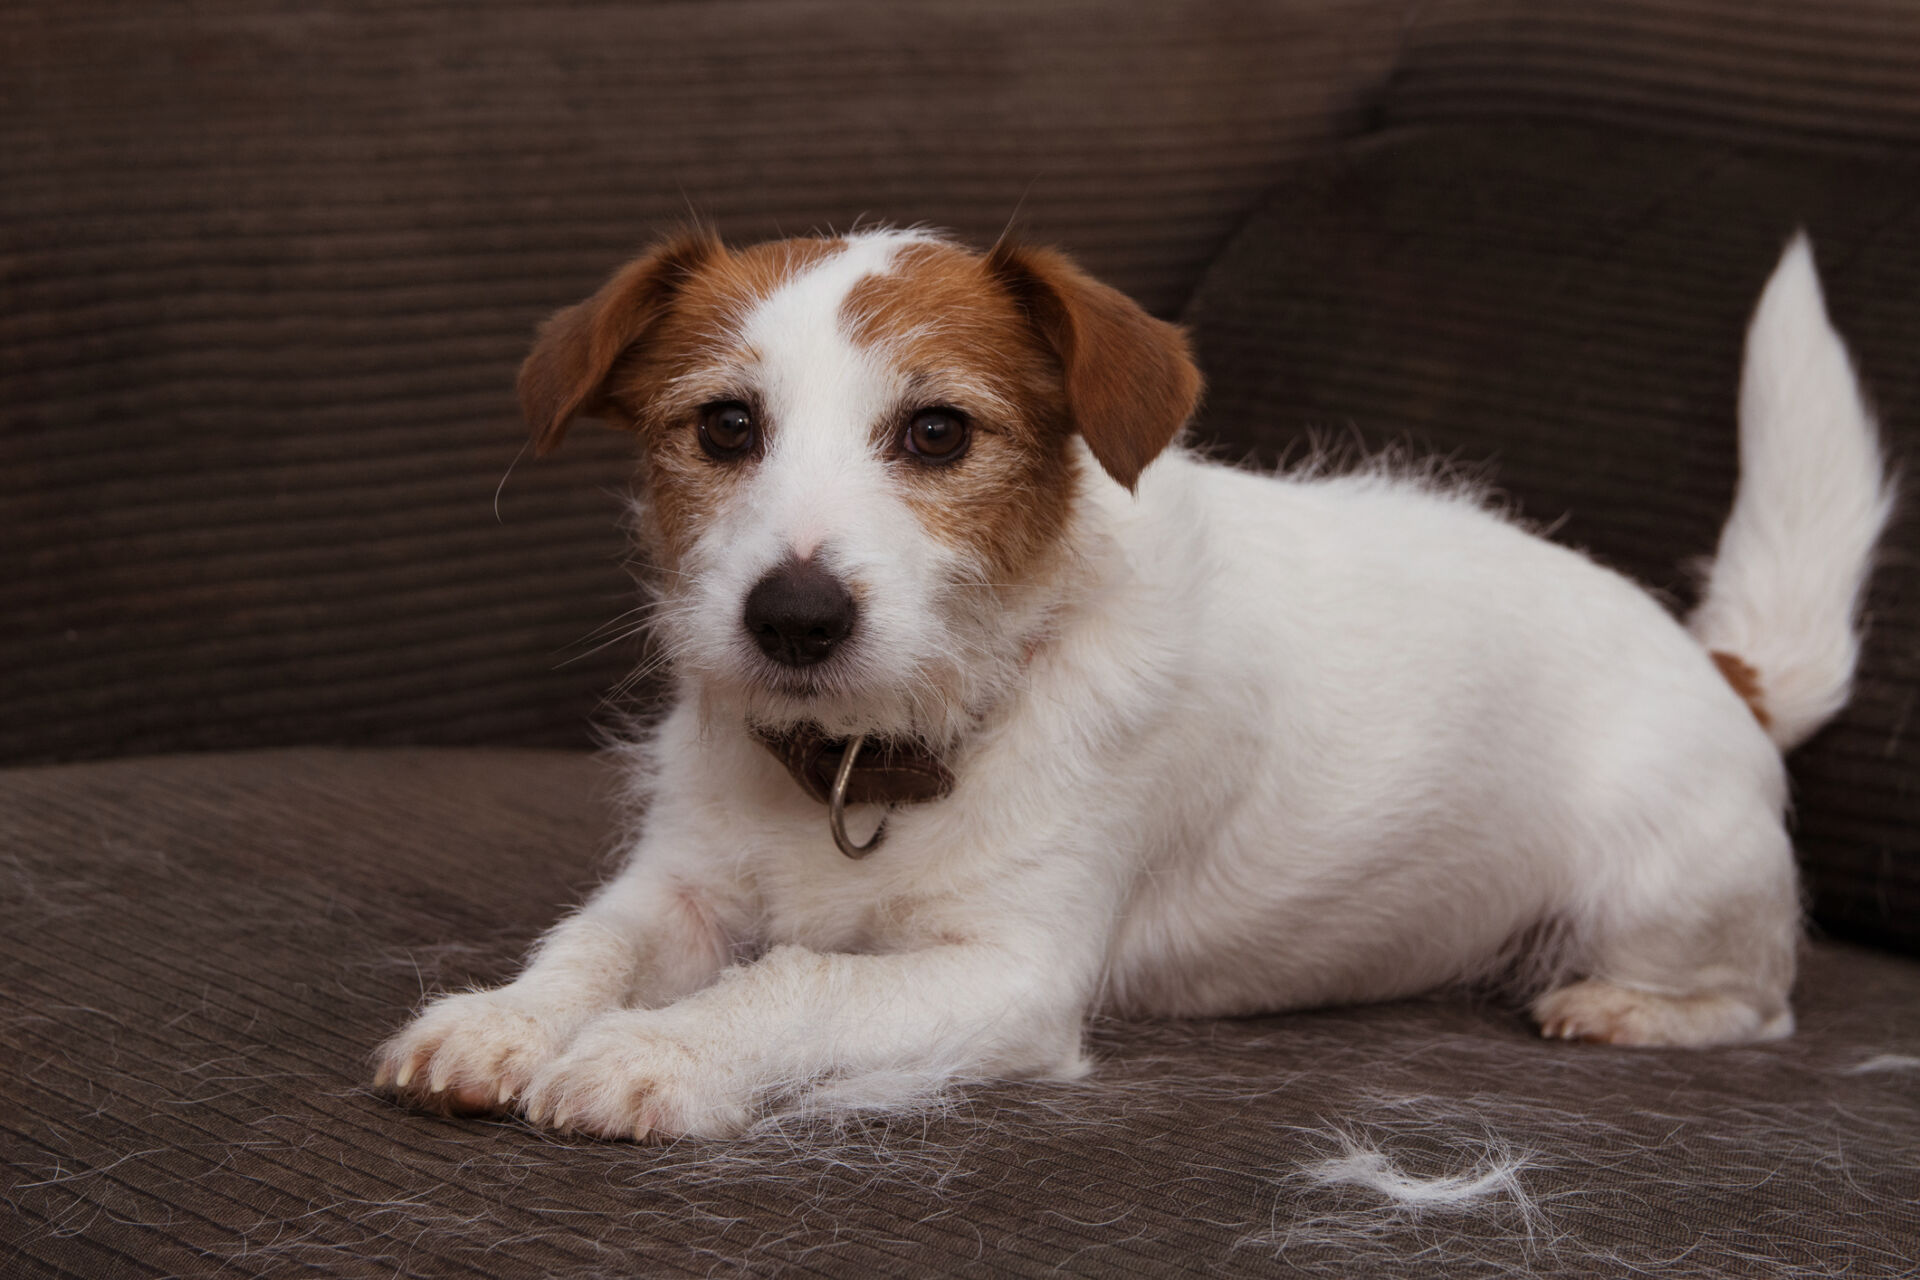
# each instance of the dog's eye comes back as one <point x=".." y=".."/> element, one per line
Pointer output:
<point x="726" y="429"/>
<point x="938" y="435"/>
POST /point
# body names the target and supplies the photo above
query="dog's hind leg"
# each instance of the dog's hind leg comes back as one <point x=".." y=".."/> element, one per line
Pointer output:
<point x="1686" y="958"/>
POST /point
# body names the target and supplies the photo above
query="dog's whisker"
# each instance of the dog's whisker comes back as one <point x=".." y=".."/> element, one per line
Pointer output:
<point x="621" y="628"/>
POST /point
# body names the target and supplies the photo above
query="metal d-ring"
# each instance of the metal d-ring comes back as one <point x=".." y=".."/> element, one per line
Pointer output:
<point x="837" y="806"/>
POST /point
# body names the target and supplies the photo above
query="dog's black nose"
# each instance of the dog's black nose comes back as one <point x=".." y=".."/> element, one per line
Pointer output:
<point x="799" y="613"/>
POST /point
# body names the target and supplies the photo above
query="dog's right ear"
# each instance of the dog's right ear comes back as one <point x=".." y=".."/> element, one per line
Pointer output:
<point x="565" y="375"/>
<point x="1131" y="382"/>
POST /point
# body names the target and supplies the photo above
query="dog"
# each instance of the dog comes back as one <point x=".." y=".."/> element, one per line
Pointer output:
<point x="994" y="706"/>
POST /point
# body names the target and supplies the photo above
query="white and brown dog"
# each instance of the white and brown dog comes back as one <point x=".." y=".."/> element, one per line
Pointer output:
<point x="995" y="707"/>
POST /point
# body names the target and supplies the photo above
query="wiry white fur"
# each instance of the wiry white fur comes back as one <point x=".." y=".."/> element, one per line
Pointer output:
<point x="1280" y="742"/>
<point x="1814" y="495"/>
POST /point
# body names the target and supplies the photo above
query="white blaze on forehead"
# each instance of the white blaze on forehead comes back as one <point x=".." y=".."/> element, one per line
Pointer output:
<point x="822" y="392"/>
<point x="797" y="327"/>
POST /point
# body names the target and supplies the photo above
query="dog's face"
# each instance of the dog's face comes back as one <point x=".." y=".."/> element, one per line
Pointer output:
<point x="859" y="465"/>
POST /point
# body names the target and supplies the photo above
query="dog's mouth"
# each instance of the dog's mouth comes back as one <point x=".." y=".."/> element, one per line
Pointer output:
<point x="846" y="678"/>
<point x="828" y="695"/>
<point x="833" y="707"/>
<point x="805" y="684"/>
<point x="862" y="687"/>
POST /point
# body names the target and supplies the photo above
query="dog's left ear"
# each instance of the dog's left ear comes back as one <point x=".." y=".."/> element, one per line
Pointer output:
<point x="1130" y="379"/>
<point x="565" y="375"/>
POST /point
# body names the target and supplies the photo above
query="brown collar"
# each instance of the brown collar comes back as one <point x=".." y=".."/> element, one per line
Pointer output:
<point x="886" y="773"/>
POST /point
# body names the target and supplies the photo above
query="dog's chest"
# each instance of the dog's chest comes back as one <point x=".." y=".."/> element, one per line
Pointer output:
<point x="813" y="896"/>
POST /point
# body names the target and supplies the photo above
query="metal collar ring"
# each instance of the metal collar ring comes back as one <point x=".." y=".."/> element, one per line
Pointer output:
<point x="837" y="806"/>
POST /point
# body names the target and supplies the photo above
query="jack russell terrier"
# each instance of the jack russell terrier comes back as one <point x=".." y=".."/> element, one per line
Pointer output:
<point x="994" y="707"/>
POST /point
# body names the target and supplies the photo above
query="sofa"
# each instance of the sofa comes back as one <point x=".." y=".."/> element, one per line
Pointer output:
<point x="306" y="664"/>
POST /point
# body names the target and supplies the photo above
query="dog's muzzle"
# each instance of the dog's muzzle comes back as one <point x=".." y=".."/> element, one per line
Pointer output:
<point x="842" y="771"/>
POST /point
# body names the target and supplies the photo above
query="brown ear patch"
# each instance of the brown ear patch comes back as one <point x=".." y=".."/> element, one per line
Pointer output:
<point x="1131" y="382"/>
<point x="1745" y="681"/>
<point x="565" y="375"/>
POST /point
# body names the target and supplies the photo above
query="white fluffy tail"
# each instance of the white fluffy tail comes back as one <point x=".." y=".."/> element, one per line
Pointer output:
<point x="1781" y="609"/>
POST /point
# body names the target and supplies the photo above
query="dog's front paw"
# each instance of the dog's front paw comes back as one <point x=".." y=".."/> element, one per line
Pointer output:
<point x="628" y="1076"/>
<point x="470" y="1053"/>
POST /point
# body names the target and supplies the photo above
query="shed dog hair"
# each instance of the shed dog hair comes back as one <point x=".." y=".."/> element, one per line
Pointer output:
<point x="1158" y="736"/>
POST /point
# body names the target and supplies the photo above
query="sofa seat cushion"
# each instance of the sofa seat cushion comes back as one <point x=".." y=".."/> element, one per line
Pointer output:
<point x="201" y="951"/>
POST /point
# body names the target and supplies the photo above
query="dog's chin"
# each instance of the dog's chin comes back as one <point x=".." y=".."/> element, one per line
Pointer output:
<point x="800" y="685"/>
<point x="854" y="691"/>
<point x="827" y="694"/>
<point x="791" y="704"/>
<point x="842" y="703"/>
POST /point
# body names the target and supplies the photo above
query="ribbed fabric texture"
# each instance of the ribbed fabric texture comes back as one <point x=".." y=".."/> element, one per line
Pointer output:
<point x="270" y="268"/>
<point x="201" y="951"/>
<point x="1563" y="308"/>
<point x="1834" y="74"/>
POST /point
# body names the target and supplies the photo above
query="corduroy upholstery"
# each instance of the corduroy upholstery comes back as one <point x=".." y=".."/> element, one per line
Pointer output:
<point x="267" y="270"/>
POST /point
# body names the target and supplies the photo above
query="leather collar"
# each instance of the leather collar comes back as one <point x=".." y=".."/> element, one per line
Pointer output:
<point x="888" y="773"/>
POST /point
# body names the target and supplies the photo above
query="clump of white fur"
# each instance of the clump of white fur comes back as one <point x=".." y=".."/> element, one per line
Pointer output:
<point x="1494" y="1176"/>
<point x="1407" y="1172"/>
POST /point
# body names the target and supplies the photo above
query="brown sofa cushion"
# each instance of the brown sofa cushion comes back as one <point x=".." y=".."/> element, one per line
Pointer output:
<point x="1568" y="303"/>
<point x="201" y="951"/>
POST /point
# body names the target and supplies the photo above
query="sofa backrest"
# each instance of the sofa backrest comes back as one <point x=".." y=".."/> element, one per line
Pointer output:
<point x="1833" y="74"/>
<point x="269" y="270"/>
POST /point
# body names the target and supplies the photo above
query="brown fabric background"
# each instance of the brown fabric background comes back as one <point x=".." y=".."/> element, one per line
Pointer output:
<point x="269" y="269"/>
<point x="1836" y="74"/>
<point x="1564" y="307"/>
<point x="202" y="950"/>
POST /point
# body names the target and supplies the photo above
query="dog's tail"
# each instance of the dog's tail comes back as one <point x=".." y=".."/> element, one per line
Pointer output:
<point x="1781" y="609"/>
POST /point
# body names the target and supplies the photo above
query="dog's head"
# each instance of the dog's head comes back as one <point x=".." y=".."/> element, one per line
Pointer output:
<point x="859" y="457"/>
